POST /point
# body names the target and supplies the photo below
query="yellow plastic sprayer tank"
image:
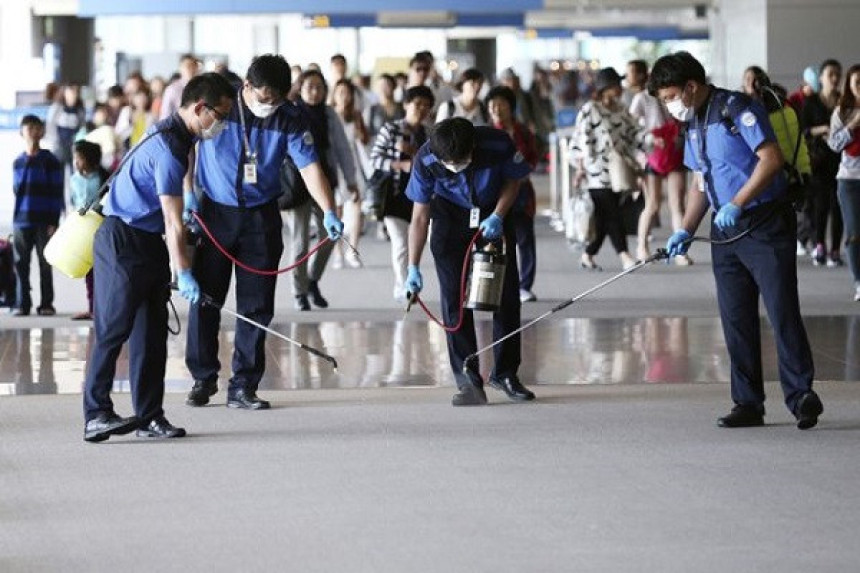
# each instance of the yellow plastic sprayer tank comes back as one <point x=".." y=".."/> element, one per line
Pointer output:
<point x="70" y="249"/>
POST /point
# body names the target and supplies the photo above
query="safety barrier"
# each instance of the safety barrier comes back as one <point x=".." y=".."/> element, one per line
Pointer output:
<point x="559" y="178"/>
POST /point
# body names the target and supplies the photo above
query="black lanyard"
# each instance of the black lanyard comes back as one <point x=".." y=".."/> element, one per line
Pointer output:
<point x="702" y="157"/>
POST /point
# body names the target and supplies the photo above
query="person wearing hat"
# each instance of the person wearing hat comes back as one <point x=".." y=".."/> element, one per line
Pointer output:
<point x="604" y="125"/>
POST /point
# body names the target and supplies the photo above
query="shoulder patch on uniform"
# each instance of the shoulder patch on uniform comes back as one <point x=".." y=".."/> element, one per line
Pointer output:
<point x="308" y="138"/>
<point x="518" y="157"/>
<point x="748" y="118"/>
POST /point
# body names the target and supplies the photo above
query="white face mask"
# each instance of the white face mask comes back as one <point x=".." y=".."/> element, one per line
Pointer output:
<point x="680" y="111"/>
<point x="456" y="167"/>
<point x="213" y="130"/>
<point x="262" y="110"/>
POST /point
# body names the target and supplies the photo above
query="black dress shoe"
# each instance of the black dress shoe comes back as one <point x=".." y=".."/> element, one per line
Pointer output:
<point x="104" y="426"/>
<point x="160" y="428"/>
<point x="470" y="395"/>
<point x="246" y="399"/>
<point x="316" y="295"/>
<point x="742" y="417"/>
<point x="200" y="393"/>
<point x="512" y="386"/>
<point x="808" y="409"/>
<point x="302" y="302"/>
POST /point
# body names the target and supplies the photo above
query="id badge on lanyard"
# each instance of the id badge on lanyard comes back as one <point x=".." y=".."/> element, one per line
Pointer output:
<point x="475" y="211"/>
<point x="250" y="166"/>
<point x="251" y="169"/>
<point x="474" y="217"/>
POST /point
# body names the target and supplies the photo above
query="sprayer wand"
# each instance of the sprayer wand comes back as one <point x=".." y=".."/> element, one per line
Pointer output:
<point x="658" y="255"/>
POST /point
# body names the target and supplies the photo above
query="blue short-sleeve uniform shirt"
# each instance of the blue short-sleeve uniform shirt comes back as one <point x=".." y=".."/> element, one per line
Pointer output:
<point x="494" y="160"/>
<point x="722" y="146"/>
<point x="156" y="167"/>
<point x="221" y="160"/>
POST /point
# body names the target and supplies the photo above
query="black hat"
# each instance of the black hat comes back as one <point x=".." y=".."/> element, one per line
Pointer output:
<point x="606" y="78"/>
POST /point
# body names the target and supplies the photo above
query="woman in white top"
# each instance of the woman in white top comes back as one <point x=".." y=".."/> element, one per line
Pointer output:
<point x="343" y="98"/>
<point x="468" y="104"/>
<point x="653" y="116"/>
<point x="604" y="125"/>
<point x="844" y="137"/>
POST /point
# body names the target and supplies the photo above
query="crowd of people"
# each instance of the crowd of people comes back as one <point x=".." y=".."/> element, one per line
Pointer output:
<point x="628" y="130"/>
<point x="330" y="156"/>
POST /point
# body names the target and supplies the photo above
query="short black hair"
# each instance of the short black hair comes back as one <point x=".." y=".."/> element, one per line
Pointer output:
<point x="389" y="79"/>
<point x="639" y="66"/>
<point x="33" y="120"/>
<point x="210" y="87"/>
<point x="270" y="71"/>
<point x="675" y="70"/>
<point x="338" y="58"/>
<point x="416" y="92"/>
<point x="505" y="93"/>
<point x="91" y="152"/>
<point x="453" y="140"/>
<point x="469" y="75"/>
<point x="829" y="62"/>
<point x="115" y="91"/>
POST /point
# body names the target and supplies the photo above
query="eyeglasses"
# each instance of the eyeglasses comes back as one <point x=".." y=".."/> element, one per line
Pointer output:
<point x="218" y="115"/>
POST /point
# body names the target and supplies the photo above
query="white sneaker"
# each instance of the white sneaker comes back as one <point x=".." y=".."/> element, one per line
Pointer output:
<point x="857" y="294"/>
<point x="527" y="296"/>
<point x="683" y="260"/>
<point x="353" y="261"/>
<point x="801" y="249"/>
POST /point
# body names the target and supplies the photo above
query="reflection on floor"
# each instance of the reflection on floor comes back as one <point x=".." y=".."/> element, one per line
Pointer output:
<point x="413" y="353"/>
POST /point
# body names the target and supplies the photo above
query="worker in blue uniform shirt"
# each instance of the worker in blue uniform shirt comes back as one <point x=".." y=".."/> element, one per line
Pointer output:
<point x="239" y="174"/>
<point x="132" y="268"/>
<point x="732" y="150"/>
<point x="466" y="179"/>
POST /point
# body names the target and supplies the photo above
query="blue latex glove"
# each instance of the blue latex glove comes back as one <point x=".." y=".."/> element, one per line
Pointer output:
<point x="677" y="243"/>
<point x="189" y="203"/>
<point x="727" y="216"/>
<point x="333" y="225"/>
<point x="414" y="282"/>
<point x="491" y="227"/>
<point x="188" y="287"/>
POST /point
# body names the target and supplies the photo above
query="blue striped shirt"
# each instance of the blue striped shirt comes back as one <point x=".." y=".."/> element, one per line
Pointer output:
<point x="37" y="181"/>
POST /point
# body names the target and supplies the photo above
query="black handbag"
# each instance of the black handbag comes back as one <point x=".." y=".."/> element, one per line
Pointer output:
<point x="379" y="187"/>
<point x="295" y="191"/>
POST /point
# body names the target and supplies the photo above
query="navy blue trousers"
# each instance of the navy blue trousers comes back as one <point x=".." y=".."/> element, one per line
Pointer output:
<point x="524" y="227"/>
<point x="252" y="236"/>
<point x="448" y="242"/>
<point x="763" y="264"/>
<point x="132" y="272"/>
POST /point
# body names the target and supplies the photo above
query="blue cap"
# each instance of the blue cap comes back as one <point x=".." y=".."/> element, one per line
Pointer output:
<point x="810" y="76"/>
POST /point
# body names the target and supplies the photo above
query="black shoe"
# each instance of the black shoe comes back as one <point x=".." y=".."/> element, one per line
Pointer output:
<point x="512" y="386"/>
<point x="21" y="312"/>
<point x="808" y="409"/>
<point x="742" y="417"/>
<point x="104" y="426"/>
<point x="470" y="395"/>
<point x="302" y="302"/>
<point x="160" y="428"/>
<point x="316" y="295"/>
<point x="200" y="393"/>
<point x="246" y="399"/>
